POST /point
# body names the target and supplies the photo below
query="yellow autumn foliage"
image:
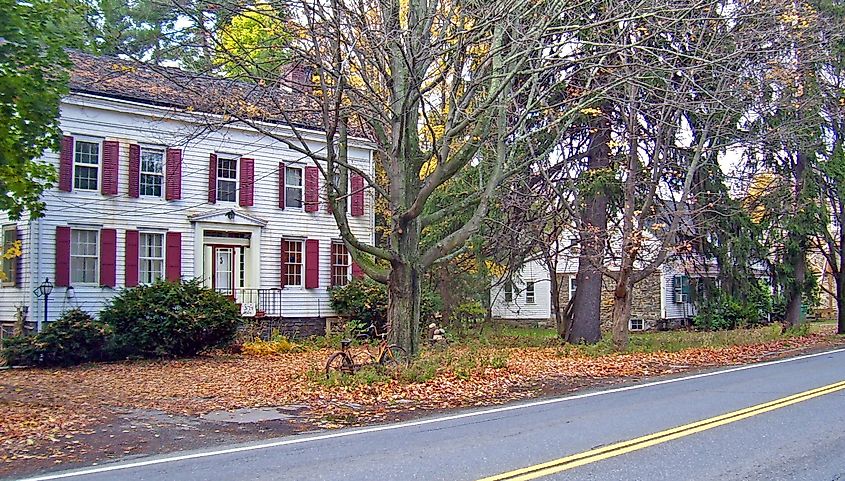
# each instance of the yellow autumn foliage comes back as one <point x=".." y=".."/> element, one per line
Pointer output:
<point x="9" y="253"/>
<point x="276" y="345"/>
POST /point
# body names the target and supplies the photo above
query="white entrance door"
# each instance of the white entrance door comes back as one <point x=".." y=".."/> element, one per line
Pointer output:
<point x="224" y="270"/>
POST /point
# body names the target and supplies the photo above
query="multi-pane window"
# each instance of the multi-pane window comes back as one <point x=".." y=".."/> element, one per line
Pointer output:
<point x="530" y="296"/>
<point x="680" y="289"/>
<point x="84" y="256"/>
<point x="152" y="172"/>
<point x="573" y="286"/>
<point x="86" y="165"/>
<point x="151" y="257"/>
<point x="508" y="291"/>
<point x="636" y="325"/>
<point x="10" y="259"/>
<point x="340" y="264"/>
<point x="227" y="179"/>
<point x="294" y="263"/>
<point x="293" y="187"/>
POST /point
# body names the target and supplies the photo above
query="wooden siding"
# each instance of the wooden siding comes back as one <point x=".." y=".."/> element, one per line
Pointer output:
<point x="144" y="125"/>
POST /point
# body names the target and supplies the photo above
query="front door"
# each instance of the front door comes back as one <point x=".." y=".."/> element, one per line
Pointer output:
<point x="224" y="270"/>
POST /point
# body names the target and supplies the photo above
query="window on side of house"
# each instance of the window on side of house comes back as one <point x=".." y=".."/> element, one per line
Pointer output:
<point x="293" y="187"/>
<point x="151" y="258"/>
<point x="680" y="289"/>
<point x="508" y="292"/>
<point x="340" y="264"/>
<point x="152" y="172"/>
<point x="86" y="165"/>
<point x="294" y="263"/>
<point x="227" y="179"/>
<point x="573" y="286"/>
<point x="635" y="325"/>
<point x="84" y="256"/>
<point x="530" y="295"/>
<point x="10" y="263"/>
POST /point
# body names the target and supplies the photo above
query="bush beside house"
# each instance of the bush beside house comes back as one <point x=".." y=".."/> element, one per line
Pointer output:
<point x="364" y="302"/>
<point x="160" y="320"/>
<point x="170" y="319"/>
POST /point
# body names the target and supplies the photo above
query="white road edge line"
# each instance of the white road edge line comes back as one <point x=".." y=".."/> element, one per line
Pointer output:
<point x="388" y="427"/>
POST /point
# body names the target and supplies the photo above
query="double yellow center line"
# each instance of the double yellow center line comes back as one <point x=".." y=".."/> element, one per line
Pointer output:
<point x="617" y="449"/>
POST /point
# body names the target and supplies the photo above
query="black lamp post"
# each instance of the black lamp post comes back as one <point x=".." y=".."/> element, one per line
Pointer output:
<point x="44" y="289"/>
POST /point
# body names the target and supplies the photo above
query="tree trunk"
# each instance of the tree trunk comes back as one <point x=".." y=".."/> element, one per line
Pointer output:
<point x="560" y="325"/>
<point x="403" y="307"/>
<point x="586" y="310"/>
<point x="840" y="302"/>
<point x="622" y="301"/>
<point x="793" y="307"/>
<point x="446" y="290"/>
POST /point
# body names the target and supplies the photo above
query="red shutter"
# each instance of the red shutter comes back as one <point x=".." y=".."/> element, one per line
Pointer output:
<point x="66" y="164"/>
<point x="247" y="182"/>
<point x="131" y="259"/>
<point x="357" y="273"/>
<point x="173" y="175"/>
<point x="173" y="254"/>
<point x="111" y="161"/>
<point x="108" y="257"/>
<point x="281" y="185"/>
<point x="19" y="260"/>
<point x="312" y="192"/>
<point x="283" y="264"/>
<point x="312" y="264"/>
<point x="134" y="170"/>
<point x="357" y="194"/>
<point x="212" y="179"/>
<point x="62" y="256"/>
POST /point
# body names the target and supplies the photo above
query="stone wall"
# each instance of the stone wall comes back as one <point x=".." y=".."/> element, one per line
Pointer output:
<point x="292" y="328"/>
<point x="645" y="303"/>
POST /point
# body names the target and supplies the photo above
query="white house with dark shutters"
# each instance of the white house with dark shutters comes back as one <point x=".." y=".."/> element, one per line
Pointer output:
<point x="147" y="190"/>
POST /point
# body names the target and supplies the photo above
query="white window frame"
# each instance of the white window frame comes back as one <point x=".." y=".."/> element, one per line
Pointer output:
<point x="632" y="327"/>
<point x="508" y="292"/>
<point x="98" y="166"/>
<point x="531" y="292"/>
<point x="347" y="265"/>
<point x="573" y="285"/>
<point x="142" y="172"/>
<point x="11" y="280"/>
<point x="142" y="257"/>
<point x="96" y="257"/>
<point x="236" y="180"/>
<point x="301" y="263"/>
<point x="300" y="187"/>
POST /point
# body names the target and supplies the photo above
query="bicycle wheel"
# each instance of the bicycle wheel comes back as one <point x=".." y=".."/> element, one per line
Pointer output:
<point x="395" y="358"/>
<point x="340" y="363"/>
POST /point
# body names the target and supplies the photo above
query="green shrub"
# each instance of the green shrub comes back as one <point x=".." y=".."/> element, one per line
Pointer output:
<point x="72" y="339"/>
<point x="722" y="311"/>
<point x="170" y="319"/>
<point x="364" y="302"/>
<point x="468" y="313"/>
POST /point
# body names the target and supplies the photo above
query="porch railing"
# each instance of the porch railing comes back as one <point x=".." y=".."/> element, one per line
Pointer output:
<point x="264" y="302"/>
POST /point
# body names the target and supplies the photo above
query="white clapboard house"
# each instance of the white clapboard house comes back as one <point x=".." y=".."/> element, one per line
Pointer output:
<point x="147" y="190"/>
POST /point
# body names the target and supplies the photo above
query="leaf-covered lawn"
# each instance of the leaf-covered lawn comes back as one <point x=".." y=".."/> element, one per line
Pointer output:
<point x="43" y="406"/>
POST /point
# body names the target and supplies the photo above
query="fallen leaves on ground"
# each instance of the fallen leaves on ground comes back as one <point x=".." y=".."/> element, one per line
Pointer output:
<point x="39" y="407"/>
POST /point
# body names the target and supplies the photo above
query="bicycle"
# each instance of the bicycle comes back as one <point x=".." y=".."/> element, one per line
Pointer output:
<point x="347" y="361"/>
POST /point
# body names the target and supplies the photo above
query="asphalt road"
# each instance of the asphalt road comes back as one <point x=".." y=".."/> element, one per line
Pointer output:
<point x="800" y="438"/>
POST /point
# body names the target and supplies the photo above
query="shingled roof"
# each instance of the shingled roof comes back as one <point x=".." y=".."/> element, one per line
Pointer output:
<point x="118" y="78"/>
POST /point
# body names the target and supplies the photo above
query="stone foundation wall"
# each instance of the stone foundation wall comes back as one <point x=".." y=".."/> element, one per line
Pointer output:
<point x="292" y="328"/>
<point x="526" y="322"/>
<point x="645" y="302"/>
